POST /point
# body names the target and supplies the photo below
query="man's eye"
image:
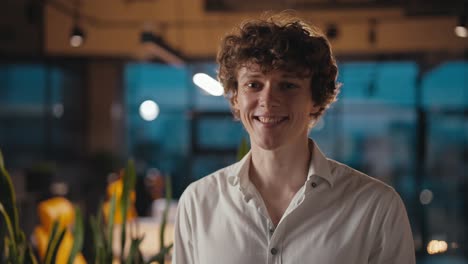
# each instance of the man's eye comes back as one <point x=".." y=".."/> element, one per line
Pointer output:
<point x="288" y="85"/>
<point x="253" y="85"/>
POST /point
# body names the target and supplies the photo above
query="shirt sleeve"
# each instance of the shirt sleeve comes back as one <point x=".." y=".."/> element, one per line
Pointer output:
<point x="183" y="247"/>
<point x="394" y="240"/>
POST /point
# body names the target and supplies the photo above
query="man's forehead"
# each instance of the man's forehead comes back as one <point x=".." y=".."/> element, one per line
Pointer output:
<point x="253" y="69"/>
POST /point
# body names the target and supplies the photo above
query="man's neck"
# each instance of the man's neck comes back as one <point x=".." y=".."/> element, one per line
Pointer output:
<point x="282" y="170"/>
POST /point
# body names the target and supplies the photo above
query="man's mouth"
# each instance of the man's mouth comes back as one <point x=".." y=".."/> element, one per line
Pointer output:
<point x="270" y="120"/>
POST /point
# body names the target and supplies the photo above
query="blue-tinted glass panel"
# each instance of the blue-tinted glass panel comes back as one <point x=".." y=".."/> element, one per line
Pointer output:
<point x="164" y="141"/>
<point x="165" y="85"/>
<point x="207" y="164"/>
<point x="41" y="112"/>
<point x="220" y="133"/>
<point x="446" y="169"/>
<point x="24" y="84"/>
<point x="446" y="86"/>
<point x="379" y="82"/>
<point x="326" y="134"/>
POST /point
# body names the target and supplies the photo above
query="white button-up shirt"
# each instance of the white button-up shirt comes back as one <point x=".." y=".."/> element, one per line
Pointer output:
<point x="339" y="216"/>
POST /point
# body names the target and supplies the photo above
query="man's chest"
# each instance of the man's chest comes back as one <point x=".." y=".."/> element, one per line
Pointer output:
<point x="305" y="235"/>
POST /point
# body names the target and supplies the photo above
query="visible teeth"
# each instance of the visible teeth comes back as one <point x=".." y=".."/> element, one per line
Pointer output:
<point x="270" y="120"/>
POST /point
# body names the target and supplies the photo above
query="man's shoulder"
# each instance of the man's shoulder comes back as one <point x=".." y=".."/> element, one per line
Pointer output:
<point x="352" y="180"/>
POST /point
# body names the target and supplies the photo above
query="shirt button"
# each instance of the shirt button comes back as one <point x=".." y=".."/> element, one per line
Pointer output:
<point x="274" y="251"/>
<point x="272" y="230"/>
<point x="313" y="185"/>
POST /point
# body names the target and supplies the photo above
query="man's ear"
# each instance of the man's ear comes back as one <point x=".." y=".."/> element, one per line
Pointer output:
<point x="235" y="107"/>
<point x="235" y="103"/>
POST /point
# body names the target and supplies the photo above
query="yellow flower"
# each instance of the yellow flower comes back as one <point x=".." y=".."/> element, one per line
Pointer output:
<point x="57" y="208"/>
<point x="116" y="187"/>
<point x="131" y="212"/>
<point x="42" y="235"/>
<point x="62" y="210"/>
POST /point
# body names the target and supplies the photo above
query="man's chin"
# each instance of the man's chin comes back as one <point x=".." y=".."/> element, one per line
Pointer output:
<point x="269" y="144"/>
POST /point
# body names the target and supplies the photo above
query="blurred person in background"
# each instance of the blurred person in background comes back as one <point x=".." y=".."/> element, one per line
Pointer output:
<point x="285" y="202"/>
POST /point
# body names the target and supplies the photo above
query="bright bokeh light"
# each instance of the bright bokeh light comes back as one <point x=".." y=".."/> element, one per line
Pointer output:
<point x="461" y="31"/>
<point x="149" y="110"/>
<point x="57" y="110"/>
<point x="208" y="84"/>
<point x="436" y="247"/>
<point x="426" y="196"/>
<point x="76" y="41"/>
<point x="59" y="188"/>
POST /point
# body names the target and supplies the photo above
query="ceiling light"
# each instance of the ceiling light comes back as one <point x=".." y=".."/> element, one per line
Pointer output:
<point x="461" y="29"/>
<point x="149" y="110"/>
<point x="208" y="84"/>
<point x="77" y="36"/>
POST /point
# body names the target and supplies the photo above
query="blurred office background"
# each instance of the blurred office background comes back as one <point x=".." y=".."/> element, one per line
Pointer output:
<point x="74" y="76"/>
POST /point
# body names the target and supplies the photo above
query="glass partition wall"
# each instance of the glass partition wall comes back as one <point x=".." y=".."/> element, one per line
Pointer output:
<point x="394" y="121"/>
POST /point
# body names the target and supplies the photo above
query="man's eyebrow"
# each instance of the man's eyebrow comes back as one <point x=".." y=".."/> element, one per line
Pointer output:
<point x="252" y="74"/>
<point x="293" y="76"/>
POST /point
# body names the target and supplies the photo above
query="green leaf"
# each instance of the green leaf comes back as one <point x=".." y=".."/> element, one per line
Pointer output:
<point x="8" y="198"/>
<point x="129" y="180"/>
<point x="22" y="247"/>
<point x="97" y="238"/>
<point x="2" y="164"/>
<point x="11" y="257"/>
<point x="55" y="238"/>
<point x="102" y="247"/>
<point x="78" y="235"/>
<point x="160" y="257"/>
<point x="53" y="233"/>
<point x="243" y="148"/>
<point x="11" y="242"/>
<point x="29" y="257"/>
<point x="168" y="189"/>
<point x="134" y="255"/>
<point x="55" y="246"/>
<point x="3" y="234"/>
<point x="110" y="220"/>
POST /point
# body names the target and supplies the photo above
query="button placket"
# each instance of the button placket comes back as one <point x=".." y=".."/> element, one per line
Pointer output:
<point x="273" y="243"/>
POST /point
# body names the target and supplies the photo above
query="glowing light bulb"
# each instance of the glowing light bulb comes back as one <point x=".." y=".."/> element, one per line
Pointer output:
<point x="76" y="41"/>
<point x="77" y="36"/>
<point x="208" y="84"/>
<point x="426" y="196"/>
<point x="461" y="31"/>
<point x="149" y="110"/>
<point x="436" y="247"/>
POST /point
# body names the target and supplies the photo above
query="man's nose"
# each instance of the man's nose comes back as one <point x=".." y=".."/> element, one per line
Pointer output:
<point x="269" y="96"/>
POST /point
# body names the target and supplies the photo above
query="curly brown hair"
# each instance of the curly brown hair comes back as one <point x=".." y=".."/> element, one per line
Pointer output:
<point x="282" y="42"/>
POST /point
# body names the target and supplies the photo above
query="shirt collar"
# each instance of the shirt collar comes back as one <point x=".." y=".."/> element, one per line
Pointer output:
<point x="318" y="166"/>
<point x="239" y="171"/>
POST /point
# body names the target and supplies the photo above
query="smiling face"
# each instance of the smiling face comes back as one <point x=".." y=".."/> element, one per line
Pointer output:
<point x="274" y="107"/>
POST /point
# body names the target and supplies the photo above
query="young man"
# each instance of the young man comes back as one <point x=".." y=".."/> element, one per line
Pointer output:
<point x="285" y="202"/>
